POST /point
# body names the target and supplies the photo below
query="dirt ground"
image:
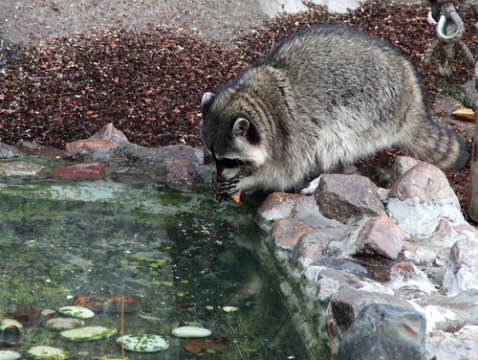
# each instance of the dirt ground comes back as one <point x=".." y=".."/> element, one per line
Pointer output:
<point x="207" y="19"/>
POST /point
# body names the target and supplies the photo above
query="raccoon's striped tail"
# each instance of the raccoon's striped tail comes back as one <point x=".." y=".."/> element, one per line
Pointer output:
<point x="439" y="146"/>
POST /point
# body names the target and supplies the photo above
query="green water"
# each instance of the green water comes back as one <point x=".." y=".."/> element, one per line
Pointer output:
<point x="182" y="255"/>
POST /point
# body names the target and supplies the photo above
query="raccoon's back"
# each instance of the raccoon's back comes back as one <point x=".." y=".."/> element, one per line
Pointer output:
<point x="334" y="67"/>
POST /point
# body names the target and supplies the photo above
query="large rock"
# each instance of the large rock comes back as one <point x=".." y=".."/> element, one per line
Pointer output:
<point x="280" y="205"/>
<point x="347" y="304"/>
<point x="383" y="331"/>
<point x="420" y="199"/>
<point x="348" y="198"/>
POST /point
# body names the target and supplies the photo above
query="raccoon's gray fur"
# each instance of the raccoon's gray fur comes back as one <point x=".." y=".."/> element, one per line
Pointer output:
<point x="325" y="96"/>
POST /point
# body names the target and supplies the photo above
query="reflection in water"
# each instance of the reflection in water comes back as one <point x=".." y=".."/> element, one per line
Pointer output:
<point x="179" y="254"/>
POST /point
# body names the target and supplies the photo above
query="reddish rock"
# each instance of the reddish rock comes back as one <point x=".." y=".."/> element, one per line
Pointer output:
<point x="35" y="149"/>
<point x="87" y="145"/>
<point x="88" y="171"/>
<point x="286" y="232"/>
<point x="380" y="236"/>
<point x="425" y="182"/>
<point x="182" y="171"/>
<point x="404" y="267"/>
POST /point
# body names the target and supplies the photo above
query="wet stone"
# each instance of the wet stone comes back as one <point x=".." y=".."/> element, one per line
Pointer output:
<point x="348" y="198"/>
<point x="286" y="232"/>
<point x="276" y="206"/>
<point x="395" y="333"/>
<point x="20" y="168"/>
<point x="87" y="171"/>
<point x="182" y="171"/>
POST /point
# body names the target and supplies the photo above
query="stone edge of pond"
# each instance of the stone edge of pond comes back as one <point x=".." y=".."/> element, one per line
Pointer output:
<point x="319" y="245"/>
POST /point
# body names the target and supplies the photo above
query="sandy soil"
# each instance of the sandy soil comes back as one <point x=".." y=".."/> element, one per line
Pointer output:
<point x="206" y="18"/>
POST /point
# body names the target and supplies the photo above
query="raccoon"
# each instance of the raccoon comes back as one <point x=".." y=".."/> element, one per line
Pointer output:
<point x="324" y="97"/>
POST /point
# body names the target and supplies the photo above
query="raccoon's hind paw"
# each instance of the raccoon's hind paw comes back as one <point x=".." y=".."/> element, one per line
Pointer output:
<point x="310" y="189"/>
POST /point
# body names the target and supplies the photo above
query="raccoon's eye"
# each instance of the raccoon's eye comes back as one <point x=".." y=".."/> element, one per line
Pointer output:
<point x="232" y="163"/>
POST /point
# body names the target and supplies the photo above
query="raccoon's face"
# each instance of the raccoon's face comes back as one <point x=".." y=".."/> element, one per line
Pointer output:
<point x="231" y="138"/>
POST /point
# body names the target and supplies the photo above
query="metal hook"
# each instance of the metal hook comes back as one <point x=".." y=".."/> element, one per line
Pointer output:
<point x="442" y="25"/>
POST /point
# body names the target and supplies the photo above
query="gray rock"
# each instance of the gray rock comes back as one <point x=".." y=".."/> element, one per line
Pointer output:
<point x="348" y="198"/>
<point x="348" y="303"/>
<point x="461" y="274"/>
<point x="9" y="152"/>
<point x="109" y="132"/>
<point x="280" y="205"/>
<point x="383" y="331"/>
<point x="329" y="282"/>
<point x="380" y="236"/>
<point x="313" y="245"/>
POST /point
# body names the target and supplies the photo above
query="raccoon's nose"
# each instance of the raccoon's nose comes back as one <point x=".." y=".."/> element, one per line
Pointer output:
<point x="220" y="178"/>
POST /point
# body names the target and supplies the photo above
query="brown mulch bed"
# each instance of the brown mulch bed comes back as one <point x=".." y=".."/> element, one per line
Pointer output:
<point x="149" y="84"/>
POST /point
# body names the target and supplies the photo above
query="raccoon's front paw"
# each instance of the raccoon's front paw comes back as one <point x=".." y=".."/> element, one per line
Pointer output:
<point x="225" y="189"/>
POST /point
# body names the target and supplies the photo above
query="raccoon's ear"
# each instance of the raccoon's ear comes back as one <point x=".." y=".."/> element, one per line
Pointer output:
<point x="240" y="127"/>
<point x="206" y="102"/>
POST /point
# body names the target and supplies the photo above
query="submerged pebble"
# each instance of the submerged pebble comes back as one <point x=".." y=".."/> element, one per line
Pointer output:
<point x="190" y="332"/>
<point x="9" y="355"/>
<point x="76" y="312"/>
<point x="47" y="353"/>
<point x="143" y="343"/>
<point x="88" y="333"/>
<point x="230" y="308"/>
<point x="59" y="324"/>
<point x="48" y="312"/>
<point x="113" y="357"/>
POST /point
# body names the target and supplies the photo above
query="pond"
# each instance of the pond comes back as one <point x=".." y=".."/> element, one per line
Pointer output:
<point x="178" y="256"/>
